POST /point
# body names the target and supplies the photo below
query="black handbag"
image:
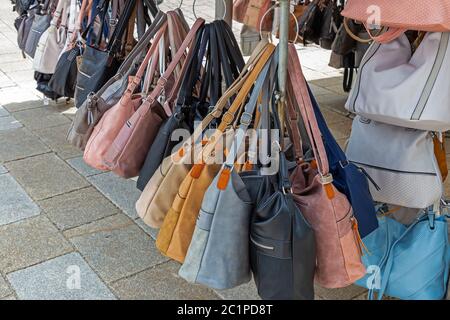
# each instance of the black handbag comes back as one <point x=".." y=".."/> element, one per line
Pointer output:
<point x="282" y="244"/>
<point x="98" y="65"/>
<point x="222" y="57"/>
<point x="64" y="80"/>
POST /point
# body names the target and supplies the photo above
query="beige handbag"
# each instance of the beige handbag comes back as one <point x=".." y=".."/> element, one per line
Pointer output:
<point x="52" y="41"/>
<point x="159" y="193"/>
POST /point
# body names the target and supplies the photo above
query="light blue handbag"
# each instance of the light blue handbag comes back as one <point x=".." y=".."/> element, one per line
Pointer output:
<point x="409" y="263"/>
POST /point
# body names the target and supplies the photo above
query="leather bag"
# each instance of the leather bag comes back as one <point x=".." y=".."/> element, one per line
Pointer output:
<point x="401" y="88"/>
<point x="401" y="15"/>
<point x="112" y="121"/>
<point x="126" y="154"/>
<point x="160" y="192"/>
<point x="41" y="22"/>
<point x="52" y="41"/>
<point x="91" y="111"/>
<point x="400" y="161"/>
<point x="408" y="262"/>
<point x="218" y="254"/>
<point x="97" y="64"/>
<point x="223" y="55"/>
<point x="326" y="209"/>
<point x="347" y="177"/>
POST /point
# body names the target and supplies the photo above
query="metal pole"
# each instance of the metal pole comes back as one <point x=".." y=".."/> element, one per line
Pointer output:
<point x="227" y="10"/>
<point x="283" y="52"/>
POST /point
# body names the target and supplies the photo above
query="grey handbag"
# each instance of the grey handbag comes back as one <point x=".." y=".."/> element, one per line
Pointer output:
<point x="90" y="112"/>
<point x="400" y="161"/>
<point x="218" y="255"/>
<point x="24" y="29"/>
<point x="41" y="23"/>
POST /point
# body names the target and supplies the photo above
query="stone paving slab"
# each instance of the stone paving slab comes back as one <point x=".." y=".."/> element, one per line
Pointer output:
<point x="3" y="169"/>
<point x="29" y="242"/>
<point x="55" y="138"/>
<point x="15" y="204"/>
<point x="161" y="283"/>
<point x="40" y="118"/>
<point x="123" y="193"/>
<point x="246" y="291"/>
<point x="346" y="293"/>
<point x="115" y="247"/>
<point x="45" y="176"/>
<point x="82" y="167"/>
<point x="56" y="279"/>
<point x="9" y="123"/>
<point x="77" y="208"/>
<point x="20" y="143"/>
<point x="11" y="297"/>
<point x="5" y="290"/>
<point x="152" y="232"/>
<point x="12" y="97"/>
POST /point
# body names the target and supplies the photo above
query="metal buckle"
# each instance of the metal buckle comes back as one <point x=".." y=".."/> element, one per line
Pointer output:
<point x="246" y="118"/>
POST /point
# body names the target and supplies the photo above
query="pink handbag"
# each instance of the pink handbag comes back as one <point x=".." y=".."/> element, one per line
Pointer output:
<point x="126" y="154"/>
<point x="112" y="121"/>
<point x="400" y="15"/>
<point x="324" y="207"/>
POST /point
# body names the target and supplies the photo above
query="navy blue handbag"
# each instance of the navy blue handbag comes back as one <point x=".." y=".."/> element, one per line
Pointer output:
<point x="348" y="178"/>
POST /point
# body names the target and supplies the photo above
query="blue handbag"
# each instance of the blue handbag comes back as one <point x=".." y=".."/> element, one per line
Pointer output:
<point x="409" y="263"/>
<point x="347" y="177"/>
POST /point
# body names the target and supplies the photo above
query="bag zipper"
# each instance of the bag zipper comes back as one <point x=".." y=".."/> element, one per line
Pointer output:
<point x="261" y="245"/>
<point x="393" y="170"/>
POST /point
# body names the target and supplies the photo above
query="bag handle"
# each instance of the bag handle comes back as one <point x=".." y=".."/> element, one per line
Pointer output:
<point x="303" y="99"/>
<point x="135" y="80"/>
<point x="115" y="43"/>
<point x="262" y="83"/>
<point x="390" y="35"/>
<point x="229" y="115"/>
<point x="148" y="102"/>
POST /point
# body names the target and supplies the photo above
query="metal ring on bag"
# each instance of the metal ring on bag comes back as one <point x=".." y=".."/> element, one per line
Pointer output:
<point x="297" y="27"/>
<point x="224" y="6"/>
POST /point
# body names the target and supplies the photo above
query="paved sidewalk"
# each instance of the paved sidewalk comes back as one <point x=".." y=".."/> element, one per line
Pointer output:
<point x="71" y="232"/>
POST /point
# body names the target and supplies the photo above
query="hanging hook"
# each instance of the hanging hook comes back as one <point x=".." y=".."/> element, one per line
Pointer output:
<point x="297" y="28"/>
<point x="159" y="9"/>
<point x="224" y="6"/>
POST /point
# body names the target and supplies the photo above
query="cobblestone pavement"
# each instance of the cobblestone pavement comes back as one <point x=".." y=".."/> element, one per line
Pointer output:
<point x="60" y="218"/>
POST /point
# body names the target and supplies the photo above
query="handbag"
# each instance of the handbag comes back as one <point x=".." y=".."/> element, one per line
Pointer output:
<point x="126" y="154"/>
<point x="347" y="177"/>
<point x="24" y="28"/>
<point x="400" y="16"/>
<point x="159" y="193"/>
<point x="52" y="40"/>
<point x="325" y="208"/>
<point x="98" y="65"/>
<point x="408" y="262"/>
<point x="91" y="111"/>
<point x="407" y="86"/>
<point x="251" y="13"/>
<point x="41" y="22"/>
<point x="282" y="245"/>
<point x="405" y="170"/>
<point x="218" y="255"/>
<point x="112" y="121"/>
<point x="179" y="224"/>
<point x="223" y="55"/>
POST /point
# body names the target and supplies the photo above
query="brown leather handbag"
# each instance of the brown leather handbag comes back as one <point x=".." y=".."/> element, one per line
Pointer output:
<point x="178" y="227"/>
<point x="112" y="121"/>
<point x="126" y="154"/>
<point x="159" y="193"/>
<point x="326" y="209"/>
